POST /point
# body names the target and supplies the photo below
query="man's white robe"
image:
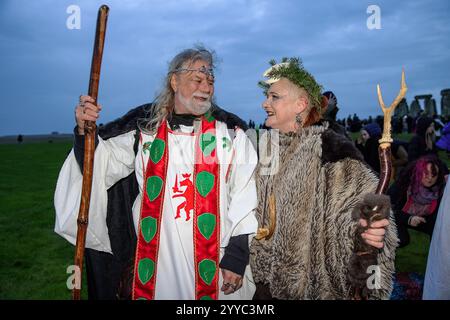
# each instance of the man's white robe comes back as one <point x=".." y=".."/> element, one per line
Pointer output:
<point x="115" y="159"/>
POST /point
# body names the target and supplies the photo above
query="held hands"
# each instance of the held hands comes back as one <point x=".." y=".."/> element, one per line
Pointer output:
<point x="374" y="235"/>
<point x="86" y="110"/>
<point x="231" y="282"/>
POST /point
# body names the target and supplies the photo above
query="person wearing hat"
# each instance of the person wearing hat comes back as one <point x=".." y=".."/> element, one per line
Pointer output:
<point x="367" y="143"/>
<point x="307" y="188"/>
<point x="330" y="112"/>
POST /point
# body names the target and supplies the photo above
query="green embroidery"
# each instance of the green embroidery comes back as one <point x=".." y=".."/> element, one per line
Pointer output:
<point x="157" y="150"/>
<point x="148" y="228"/>
<point x="154" y="186"/>
<point x="226" y="143"/>
<point x="207" y="143"/>
<point x="292" y="69"/>
<point x="146" y="147"/>
<point x="204" y="183"/>
<point x="207" y="269"/>
<point x="206" y="298"/>
<point x="146" y="268"/>
<point x="206" y="223"/>
<point x="209" y="117"/>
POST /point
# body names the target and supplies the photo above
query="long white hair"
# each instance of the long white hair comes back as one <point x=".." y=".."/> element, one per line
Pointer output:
<point x="164" y="103"/>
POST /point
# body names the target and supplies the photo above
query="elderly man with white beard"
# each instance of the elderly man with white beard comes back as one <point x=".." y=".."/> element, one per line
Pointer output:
<point x="173" y="194"/>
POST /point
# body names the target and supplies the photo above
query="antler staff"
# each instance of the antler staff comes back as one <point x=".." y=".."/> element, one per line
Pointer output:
<point x="386" y="140"/>
<point x="384" y="151"/>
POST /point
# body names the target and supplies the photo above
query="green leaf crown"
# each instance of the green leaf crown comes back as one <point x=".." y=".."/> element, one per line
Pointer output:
<point x="293" y="70"/>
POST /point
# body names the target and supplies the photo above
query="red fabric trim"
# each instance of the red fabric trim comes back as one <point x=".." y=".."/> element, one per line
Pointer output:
<point x="203" y="248"/>
<point x="151" y="209"/>
<point x="407" y="205"/>
<point x="207" y="248"/>
<point x="433" y="206"/>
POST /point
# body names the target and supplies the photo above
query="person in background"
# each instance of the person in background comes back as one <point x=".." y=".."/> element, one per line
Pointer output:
<point x="423" y="141"/>
<point x="367" y="143"/>
<point x="416" y="195"/>
<point x="330" y="113"/>
<point x="399" y="158"/>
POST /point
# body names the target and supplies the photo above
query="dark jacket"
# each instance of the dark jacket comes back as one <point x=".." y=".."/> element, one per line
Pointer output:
<point x="417" y="145"/>
<point x="109" y="275"/>
<point x="370" y="153"/>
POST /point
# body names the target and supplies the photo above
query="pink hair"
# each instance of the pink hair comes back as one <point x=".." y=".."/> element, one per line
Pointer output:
<point x="421" y="168"/>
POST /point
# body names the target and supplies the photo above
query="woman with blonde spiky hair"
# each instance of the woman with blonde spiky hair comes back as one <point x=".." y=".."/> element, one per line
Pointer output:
<point x="308" y="199"/>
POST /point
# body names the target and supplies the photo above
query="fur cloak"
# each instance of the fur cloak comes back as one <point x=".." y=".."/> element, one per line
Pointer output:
<point x="318" y="183"/>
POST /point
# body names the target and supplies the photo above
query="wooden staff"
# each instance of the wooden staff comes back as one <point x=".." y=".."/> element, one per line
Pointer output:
<point x="89" y="147"/>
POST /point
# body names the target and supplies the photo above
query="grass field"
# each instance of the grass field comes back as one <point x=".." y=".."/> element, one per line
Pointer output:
<point x="33" y="259"/>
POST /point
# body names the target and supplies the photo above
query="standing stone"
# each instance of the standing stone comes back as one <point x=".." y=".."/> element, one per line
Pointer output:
<point x="429" y="104"/>
<point x="445" y="103"/>
<point x="402" y="109"/>
<point x="414" y="109"/>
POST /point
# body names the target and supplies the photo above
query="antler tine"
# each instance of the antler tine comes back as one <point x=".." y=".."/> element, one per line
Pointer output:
<point x="380" y="98"/>
<point x="402" y="91"/>
<point x="386" y="138"/>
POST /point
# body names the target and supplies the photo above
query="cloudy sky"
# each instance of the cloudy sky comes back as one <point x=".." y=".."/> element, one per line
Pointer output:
<point x="44" y="66"/>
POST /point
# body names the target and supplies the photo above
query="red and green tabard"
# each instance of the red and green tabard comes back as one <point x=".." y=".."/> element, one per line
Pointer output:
<point x="206" y="233"/>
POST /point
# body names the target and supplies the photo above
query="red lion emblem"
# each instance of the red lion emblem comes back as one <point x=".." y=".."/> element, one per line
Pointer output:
<point x="187" y="194"/>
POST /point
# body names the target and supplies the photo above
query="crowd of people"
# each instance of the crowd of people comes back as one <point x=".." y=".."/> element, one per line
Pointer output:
<point x="418" y="184"/>
<point x="182" y="208"/>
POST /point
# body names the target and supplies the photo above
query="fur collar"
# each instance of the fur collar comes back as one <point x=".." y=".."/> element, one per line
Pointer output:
<point x="336" y="146"/>
<point x="128" y="122"/>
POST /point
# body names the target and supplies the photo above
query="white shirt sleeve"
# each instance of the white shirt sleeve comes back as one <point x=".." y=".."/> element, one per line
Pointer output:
<point x="240" y="217"/>
<point x="113" y="160"/>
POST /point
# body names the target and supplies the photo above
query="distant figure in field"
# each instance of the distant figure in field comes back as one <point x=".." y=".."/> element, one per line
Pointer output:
<point x="20" y="138"/>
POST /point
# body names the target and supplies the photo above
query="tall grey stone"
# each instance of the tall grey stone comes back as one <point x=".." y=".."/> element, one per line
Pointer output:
<point x="414" y="108"/>
<point x="430" y="108"/>
<point x="445" y="103"/>
<point x="402" y="109"/>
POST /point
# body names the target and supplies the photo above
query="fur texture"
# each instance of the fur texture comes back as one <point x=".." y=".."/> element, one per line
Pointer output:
<point x="374" y="207"/>
<point x="128" y="122"/>
<point x="316" y="189"/>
